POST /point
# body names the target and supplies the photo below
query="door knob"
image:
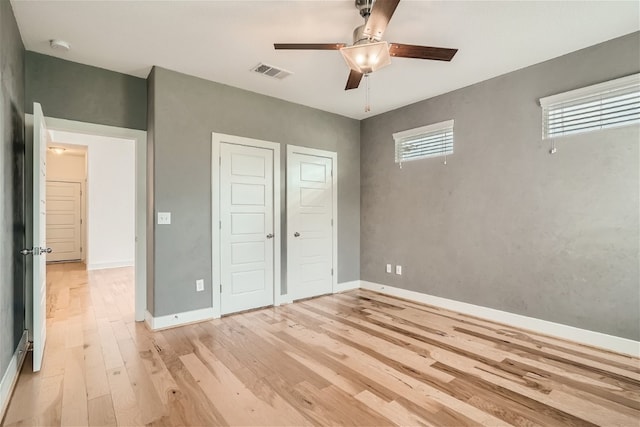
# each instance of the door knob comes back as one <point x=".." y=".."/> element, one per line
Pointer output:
<point x="296" y="234"/>
<point x="47" y="250"/>
<point x="26" y="251"/>
<point x="269" y="236"/>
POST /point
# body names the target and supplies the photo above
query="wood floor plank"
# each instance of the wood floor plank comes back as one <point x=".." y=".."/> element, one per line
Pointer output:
<point x="160" y="377"/>
<point x="25" y="395"/>
<point x="188" y="404"/>
<point x="125" y="406"/>
<point x="395" y="412"/>
<point x="54" y="362"/>
<point x="95" y="370"/>
<point x="110" y="350"/>
<point x="74" y="393"/>
<point x="101" y="411"/>
<point x="356" y="358"/>
<point x="339" y="408"/>
<point x="150" y="404"/>
<point x="48" y="407"/>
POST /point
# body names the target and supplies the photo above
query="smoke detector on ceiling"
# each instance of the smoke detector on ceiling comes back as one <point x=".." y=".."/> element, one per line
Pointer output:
<point x="61" y="45"/>
<point x="271" y="71"/>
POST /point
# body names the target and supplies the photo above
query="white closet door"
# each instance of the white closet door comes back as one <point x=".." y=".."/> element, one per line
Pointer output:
<point x="310" y="225"/>
<point x="246" y="227"/>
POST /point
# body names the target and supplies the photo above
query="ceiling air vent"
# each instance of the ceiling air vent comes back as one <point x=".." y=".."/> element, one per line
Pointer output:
<point x="271" y="71"/>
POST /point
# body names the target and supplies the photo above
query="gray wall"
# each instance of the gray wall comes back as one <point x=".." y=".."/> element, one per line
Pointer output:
<point x="68" y="90"/>
<point x="505" y="224"/>
<point x="12" y="170"/>
<point x="187" y="110"/>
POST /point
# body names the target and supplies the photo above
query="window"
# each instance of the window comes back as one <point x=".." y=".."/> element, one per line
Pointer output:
<point x="427" y="141"/>
<point x="605" y="105"/>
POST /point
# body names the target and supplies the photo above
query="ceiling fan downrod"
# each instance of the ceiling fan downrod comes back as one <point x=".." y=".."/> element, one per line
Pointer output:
<point x="364" y="6"/>
<point x="359" y="37"/>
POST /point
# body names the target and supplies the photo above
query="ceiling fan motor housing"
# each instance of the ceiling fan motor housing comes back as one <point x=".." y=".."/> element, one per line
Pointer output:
<point x="359" y="37"/>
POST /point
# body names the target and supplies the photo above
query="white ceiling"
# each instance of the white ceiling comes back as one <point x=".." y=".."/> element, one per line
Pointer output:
<point x="223" y="40"/>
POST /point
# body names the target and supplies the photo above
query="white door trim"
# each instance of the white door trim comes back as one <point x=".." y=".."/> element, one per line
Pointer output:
<point x="292" y="149"/>
<point x="140" y="138"/>
<point x="216" y="140"/>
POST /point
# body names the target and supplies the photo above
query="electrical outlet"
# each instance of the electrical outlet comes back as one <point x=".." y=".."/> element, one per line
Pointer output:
<point x="388" y="268"/>
<point x="399" y="270"/>
<point x="199" y="285"/>
<point x="164" y="217"/>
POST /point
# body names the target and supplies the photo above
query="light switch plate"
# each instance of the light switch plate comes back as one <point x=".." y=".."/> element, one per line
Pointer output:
<point x="164" y="217"/>
<point x="388" y="268"/>
<point x="199" y="285"/>
<point x="399" y="270"/>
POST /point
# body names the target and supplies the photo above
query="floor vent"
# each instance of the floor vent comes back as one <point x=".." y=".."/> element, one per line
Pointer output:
<point x="271" y="71"/>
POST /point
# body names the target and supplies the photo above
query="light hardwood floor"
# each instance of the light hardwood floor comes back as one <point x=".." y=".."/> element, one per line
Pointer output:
<point x="357" y="358"/>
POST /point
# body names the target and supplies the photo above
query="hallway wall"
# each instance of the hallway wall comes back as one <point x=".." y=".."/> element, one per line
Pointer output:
<point x="12" y="172"/>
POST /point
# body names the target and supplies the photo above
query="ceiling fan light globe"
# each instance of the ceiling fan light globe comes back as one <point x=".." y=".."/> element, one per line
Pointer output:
<point x="367" y="57"/>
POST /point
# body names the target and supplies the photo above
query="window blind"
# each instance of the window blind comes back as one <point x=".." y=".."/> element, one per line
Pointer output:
<point x="427" y="141"/>
<point x="601" y="106"/>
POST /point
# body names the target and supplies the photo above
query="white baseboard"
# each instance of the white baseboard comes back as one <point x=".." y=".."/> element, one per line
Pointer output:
<point x="178" y="319"/>
<point x="10" y="377"/>
<point x="346" y="286"/>
<point x="105" y="265"/>
<point x="584" y="336"/>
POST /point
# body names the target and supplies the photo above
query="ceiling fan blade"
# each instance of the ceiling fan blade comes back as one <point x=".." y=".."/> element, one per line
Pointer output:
<point x="354" y="80"/>
<point x="381" y="13"/>
<point x="421" y="52"/>
<point x="309" y="46"/>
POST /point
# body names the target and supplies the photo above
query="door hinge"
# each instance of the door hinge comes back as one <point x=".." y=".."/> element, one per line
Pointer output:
<point x="81" y="192"/>
<point x="220" y="225"/>
<point x="332" y="271"/>
<point x="220" y="287"/>
<point x="220" y="160"/>
<point x="80" y="248"/>
<point x="80" y="220"/>
<point x="332" y="222"/>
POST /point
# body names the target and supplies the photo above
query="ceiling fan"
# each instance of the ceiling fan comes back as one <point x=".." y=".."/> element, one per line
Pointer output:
<point x="369" y="52"/>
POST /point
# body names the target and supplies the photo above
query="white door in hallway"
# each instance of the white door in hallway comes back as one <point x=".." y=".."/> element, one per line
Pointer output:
<point x="246" y="227"/>
<point x="40" y="250"/>
<point x="310" y="224"/>
<point x="64" y="221"/>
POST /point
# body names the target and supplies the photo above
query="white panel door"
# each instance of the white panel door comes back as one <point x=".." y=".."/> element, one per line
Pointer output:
<point x="309" y="225"/>
<point x="40" y="138"/>
<point x="246" y="227"/>
<point x="64" y="221"/>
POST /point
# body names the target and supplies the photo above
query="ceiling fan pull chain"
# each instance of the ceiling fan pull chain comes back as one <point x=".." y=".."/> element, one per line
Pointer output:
<point x="367" y="106"/>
